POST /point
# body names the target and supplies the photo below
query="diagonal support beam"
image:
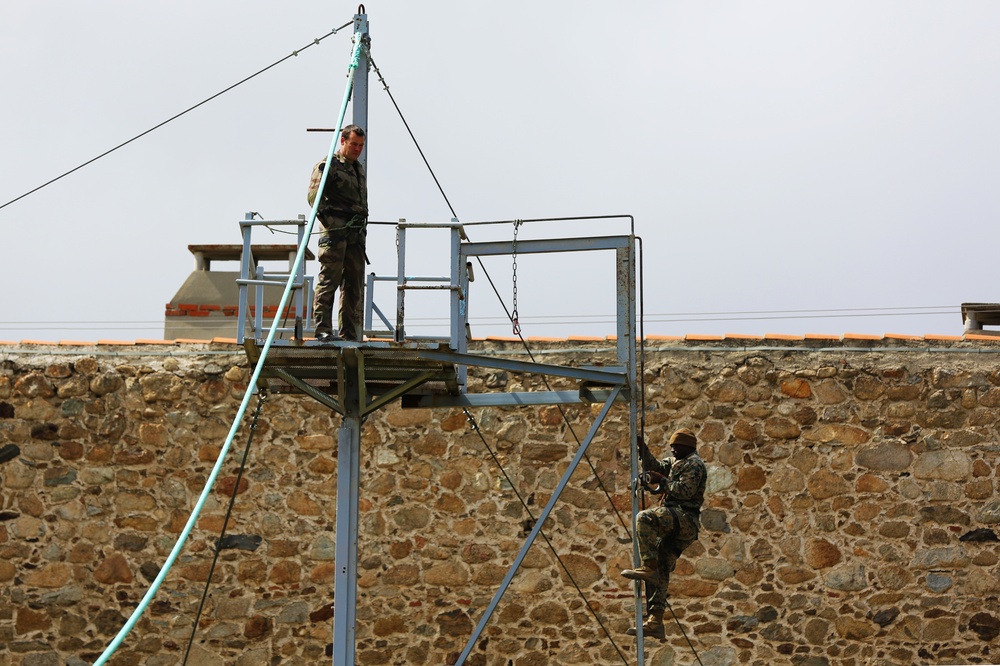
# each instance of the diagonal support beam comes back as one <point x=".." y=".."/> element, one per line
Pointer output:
<point x="477" y="360"/>
<point x="400" y="390"/>
<point x="538" y="525"/>
<point x="308" y="389"/>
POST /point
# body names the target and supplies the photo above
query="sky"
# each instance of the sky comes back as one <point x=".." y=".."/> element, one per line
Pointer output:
<point x="791" y="167"/>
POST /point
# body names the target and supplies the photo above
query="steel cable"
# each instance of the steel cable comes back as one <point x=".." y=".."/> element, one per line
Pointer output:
<point x="531" y="355"/>
<point x="176" y="116"/>
<point x="510" y="316"/>
<point x="475" y="428"/>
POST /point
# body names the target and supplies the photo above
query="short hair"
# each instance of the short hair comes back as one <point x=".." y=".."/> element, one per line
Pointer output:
<point x="346" y="132"/>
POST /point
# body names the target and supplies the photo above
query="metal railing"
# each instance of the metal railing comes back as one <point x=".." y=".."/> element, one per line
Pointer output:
<point x="253" y="279"/>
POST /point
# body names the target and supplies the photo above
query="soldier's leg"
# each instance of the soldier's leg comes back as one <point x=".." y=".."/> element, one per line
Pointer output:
<point x="649" y="529"/>
<point x="658" y="530"/>
<point x="676" y="537"/>
<point x="331" y="270"/>
<point x="656" y="595"/>
<point x="352" y="293"/>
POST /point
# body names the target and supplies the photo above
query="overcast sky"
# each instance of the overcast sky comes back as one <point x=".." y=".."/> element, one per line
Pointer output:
<point x="784" y="160"/>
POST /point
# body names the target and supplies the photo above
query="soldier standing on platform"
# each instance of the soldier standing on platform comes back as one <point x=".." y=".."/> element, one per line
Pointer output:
<point x="343" y="212"/>
<point x="663" y="532"/>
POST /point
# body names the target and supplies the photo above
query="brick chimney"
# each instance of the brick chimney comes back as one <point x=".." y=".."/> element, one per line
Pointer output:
<point x="205" y="307"/>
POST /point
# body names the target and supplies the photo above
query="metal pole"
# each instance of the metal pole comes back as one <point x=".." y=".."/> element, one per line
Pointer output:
<point x="538" y="525"/>
<point x="456" y="302"/>
<point x="625" y="278"/>
<point x="360" y="108"/>
<point x="400" y="335"/>
<point x="348" y="473"/>
<point x="349" y="439"/>
<point x="241" y="316"/>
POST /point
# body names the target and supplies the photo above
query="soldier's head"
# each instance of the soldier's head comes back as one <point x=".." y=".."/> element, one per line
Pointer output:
<point x="683" y="443"/>
<point x="352" y="142"/>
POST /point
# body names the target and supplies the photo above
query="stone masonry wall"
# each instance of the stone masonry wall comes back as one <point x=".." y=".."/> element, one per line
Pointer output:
<point x="851" y="519"/>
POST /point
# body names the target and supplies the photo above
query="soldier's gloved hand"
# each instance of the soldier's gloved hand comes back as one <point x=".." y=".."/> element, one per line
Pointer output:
<point x="654" y="478"/>
<point x="643" y="449"/>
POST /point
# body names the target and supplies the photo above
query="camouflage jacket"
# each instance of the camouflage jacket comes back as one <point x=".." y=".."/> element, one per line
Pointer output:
<point x="685" y="480"/>
<point x="345" y="197"/>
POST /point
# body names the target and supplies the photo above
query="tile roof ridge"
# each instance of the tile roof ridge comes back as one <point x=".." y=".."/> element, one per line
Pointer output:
<point x="967" y="336"/>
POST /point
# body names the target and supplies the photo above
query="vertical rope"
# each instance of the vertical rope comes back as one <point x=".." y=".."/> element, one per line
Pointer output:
<point x="175" y="552"/>
<point x="261" y="396"/>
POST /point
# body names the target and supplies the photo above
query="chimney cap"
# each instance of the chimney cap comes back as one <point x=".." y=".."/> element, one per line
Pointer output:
<point x="233" y="251"/>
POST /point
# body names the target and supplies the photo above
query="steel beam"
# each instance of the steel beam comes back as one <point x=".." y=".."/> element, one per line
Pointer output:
<point x="515" y="399"/>
<point x="539" y="521"/>
<point x="308" y="389"/>
<point x="601" y="376"/>
<point x="400" y="390"/>
<point x="348" y="476"/>
<point x="346" y="573"/>
<point x="545" y="246"/>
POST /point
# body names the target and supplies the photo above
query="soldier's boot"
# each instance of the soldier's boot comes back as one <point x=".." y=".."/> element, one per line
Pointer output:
<point x="652" y="626"/>
<point x="647" y="573"/>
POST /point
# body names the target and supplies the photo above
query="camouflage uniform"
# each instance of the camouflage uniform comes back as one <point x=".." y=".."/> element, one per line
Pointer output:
<point x="343" y="212"/>
<point x="663" y="532"/>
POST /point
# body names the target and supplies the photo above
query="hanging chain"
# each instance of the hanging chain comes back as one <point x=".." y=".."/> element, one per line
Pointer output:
<point x="513" y="254"/>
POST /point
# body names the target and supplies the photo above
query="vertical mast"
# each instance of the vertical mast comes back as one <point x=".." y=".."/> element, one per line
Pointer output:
<point x="360" y="107"/>
<point x="349" y="438"/>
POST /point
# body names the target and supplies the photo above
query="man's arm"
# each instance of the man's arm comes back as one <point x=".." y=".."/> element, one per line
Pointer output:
<point x="649" y="461"/>
<point x="684" y="483"/>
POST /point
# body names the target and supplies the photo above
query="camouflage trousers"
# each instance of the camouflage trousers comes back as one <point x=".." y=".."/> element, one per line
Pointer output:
<point x="341" y="265"/>
<point x="662" y="533"/>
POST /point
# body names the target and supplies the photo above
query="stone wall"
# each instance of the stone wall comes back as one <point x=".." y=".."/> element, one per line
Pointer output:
<point x="852" y="514"/>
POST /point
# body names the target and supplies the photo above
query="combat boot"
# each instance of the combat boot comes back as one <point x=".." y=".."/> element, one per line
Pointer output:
<point x="648" y="573"/>
<point x="652" y="627"/>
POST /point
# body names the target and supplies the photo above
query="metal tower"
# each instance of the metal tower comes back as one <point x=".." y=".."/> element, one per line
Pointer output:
<point x="357" y="378"/>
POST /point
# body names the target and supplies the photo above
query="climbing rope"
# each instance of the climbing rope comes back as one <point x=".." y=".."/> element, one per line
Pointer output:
<point x="262" y="395"/>
<point x="510" y="315"/>
<point x="684" y="633"/>
<point x="475" y="428"/>
<point x="255" y="376"/>
<point x="385" y="86"/>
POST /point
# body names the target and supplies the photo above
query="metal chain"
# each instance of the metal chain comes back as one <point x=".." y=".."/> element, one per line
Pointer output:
<point x="513" y="316"/>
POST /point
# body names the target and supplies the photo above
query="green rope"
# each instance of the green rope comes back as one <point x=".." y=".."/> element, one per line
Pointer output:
<point x="137" y="613"/>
